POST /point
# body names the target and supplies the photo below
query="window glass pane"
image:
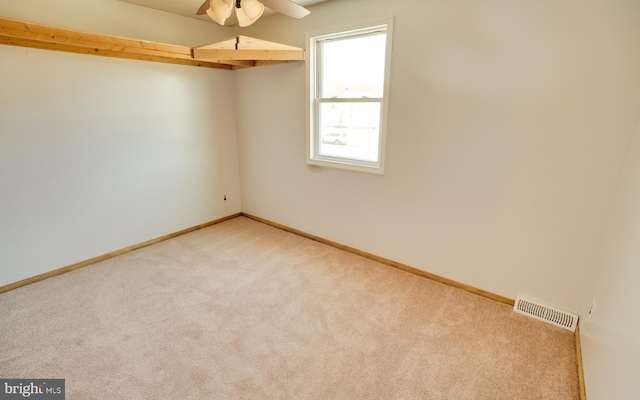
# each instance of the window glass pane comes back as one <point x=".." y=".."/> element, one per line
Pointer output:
<point x="350" y="130"/>
<point x="353" y="67"/>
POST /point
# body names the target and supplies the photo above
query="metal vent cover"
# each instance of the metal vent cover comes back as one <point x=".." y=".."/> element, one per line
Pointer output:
<point x="546" y="313"/>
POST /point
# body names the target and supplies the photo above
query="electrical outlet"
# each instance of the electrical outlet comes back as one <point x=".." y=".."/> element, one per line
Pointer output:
<point x="593" y="307"/>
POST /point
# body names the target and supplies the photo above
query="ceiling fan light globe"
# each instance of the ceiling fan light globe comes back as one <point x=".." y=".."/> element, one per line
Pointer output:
<point x="249" y="12"/>
<point x="243" y="19"/>
<point x="220" y="10"/>
<point x="253" y="9"/>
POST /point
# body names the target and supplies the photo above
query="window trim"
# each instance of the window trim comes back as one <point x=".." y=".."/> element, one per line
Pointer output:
<point x="312" y="132"/>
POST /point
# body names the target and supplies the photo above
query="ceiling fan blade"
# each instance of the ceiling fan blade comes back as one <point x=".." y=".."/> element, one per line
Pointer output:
<point x="286" y="7"/>
<point x="203" y="8"/>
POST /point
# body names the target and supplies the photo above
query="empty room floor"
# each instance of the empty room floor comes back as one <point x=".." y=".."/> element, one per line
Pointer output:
<point x="243" y="310"/>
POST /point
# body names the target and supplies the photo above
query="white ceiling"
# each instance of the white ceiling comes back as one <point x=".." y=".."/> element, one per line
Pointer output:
<point x="188" y="8"/>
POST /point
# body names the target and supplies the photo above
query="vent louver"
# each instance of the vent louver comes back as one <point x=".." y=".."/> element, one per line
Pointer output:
<point x="546" y="313"/>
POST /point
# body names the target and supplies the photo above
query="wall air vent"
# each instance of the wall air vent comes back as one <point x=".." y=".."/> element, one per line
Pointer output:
<point x="546" y="313"/>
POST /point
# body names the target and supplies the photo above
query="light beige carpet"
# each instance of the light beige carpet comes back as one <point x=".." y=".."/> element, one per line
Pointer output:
<point x="241" y="310"/>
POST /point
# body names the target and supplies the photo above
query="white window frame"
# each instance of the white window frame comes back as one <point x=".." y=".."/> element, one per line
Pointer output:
<point x="313" y="101"/>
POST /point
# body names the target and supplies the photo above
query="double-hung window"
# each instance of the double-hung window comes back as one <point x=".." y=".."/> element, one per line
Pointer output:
<point x="348" y="88"/>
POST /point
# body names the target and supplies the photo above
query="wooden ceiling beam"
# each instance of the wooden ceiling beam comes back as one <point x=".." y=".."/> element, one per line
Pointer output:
<point x="233" y="53"/>
<point x="248" y="48"/>
<point x="262" y="55"/>
<point x="49" y="34"/>
<point x="35" y="44"/>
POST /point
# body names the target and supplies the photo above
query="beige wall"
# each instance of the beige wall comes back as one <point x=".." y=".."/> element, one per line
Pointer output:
<point x="98" y="154"/>
<point x="611" y="339"/>
<point x="509" y="124"/>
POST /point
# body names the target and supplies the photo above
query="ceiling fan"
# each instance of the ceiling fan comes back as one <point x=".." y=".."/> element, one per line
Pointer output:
<point x="248" y="11"/>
